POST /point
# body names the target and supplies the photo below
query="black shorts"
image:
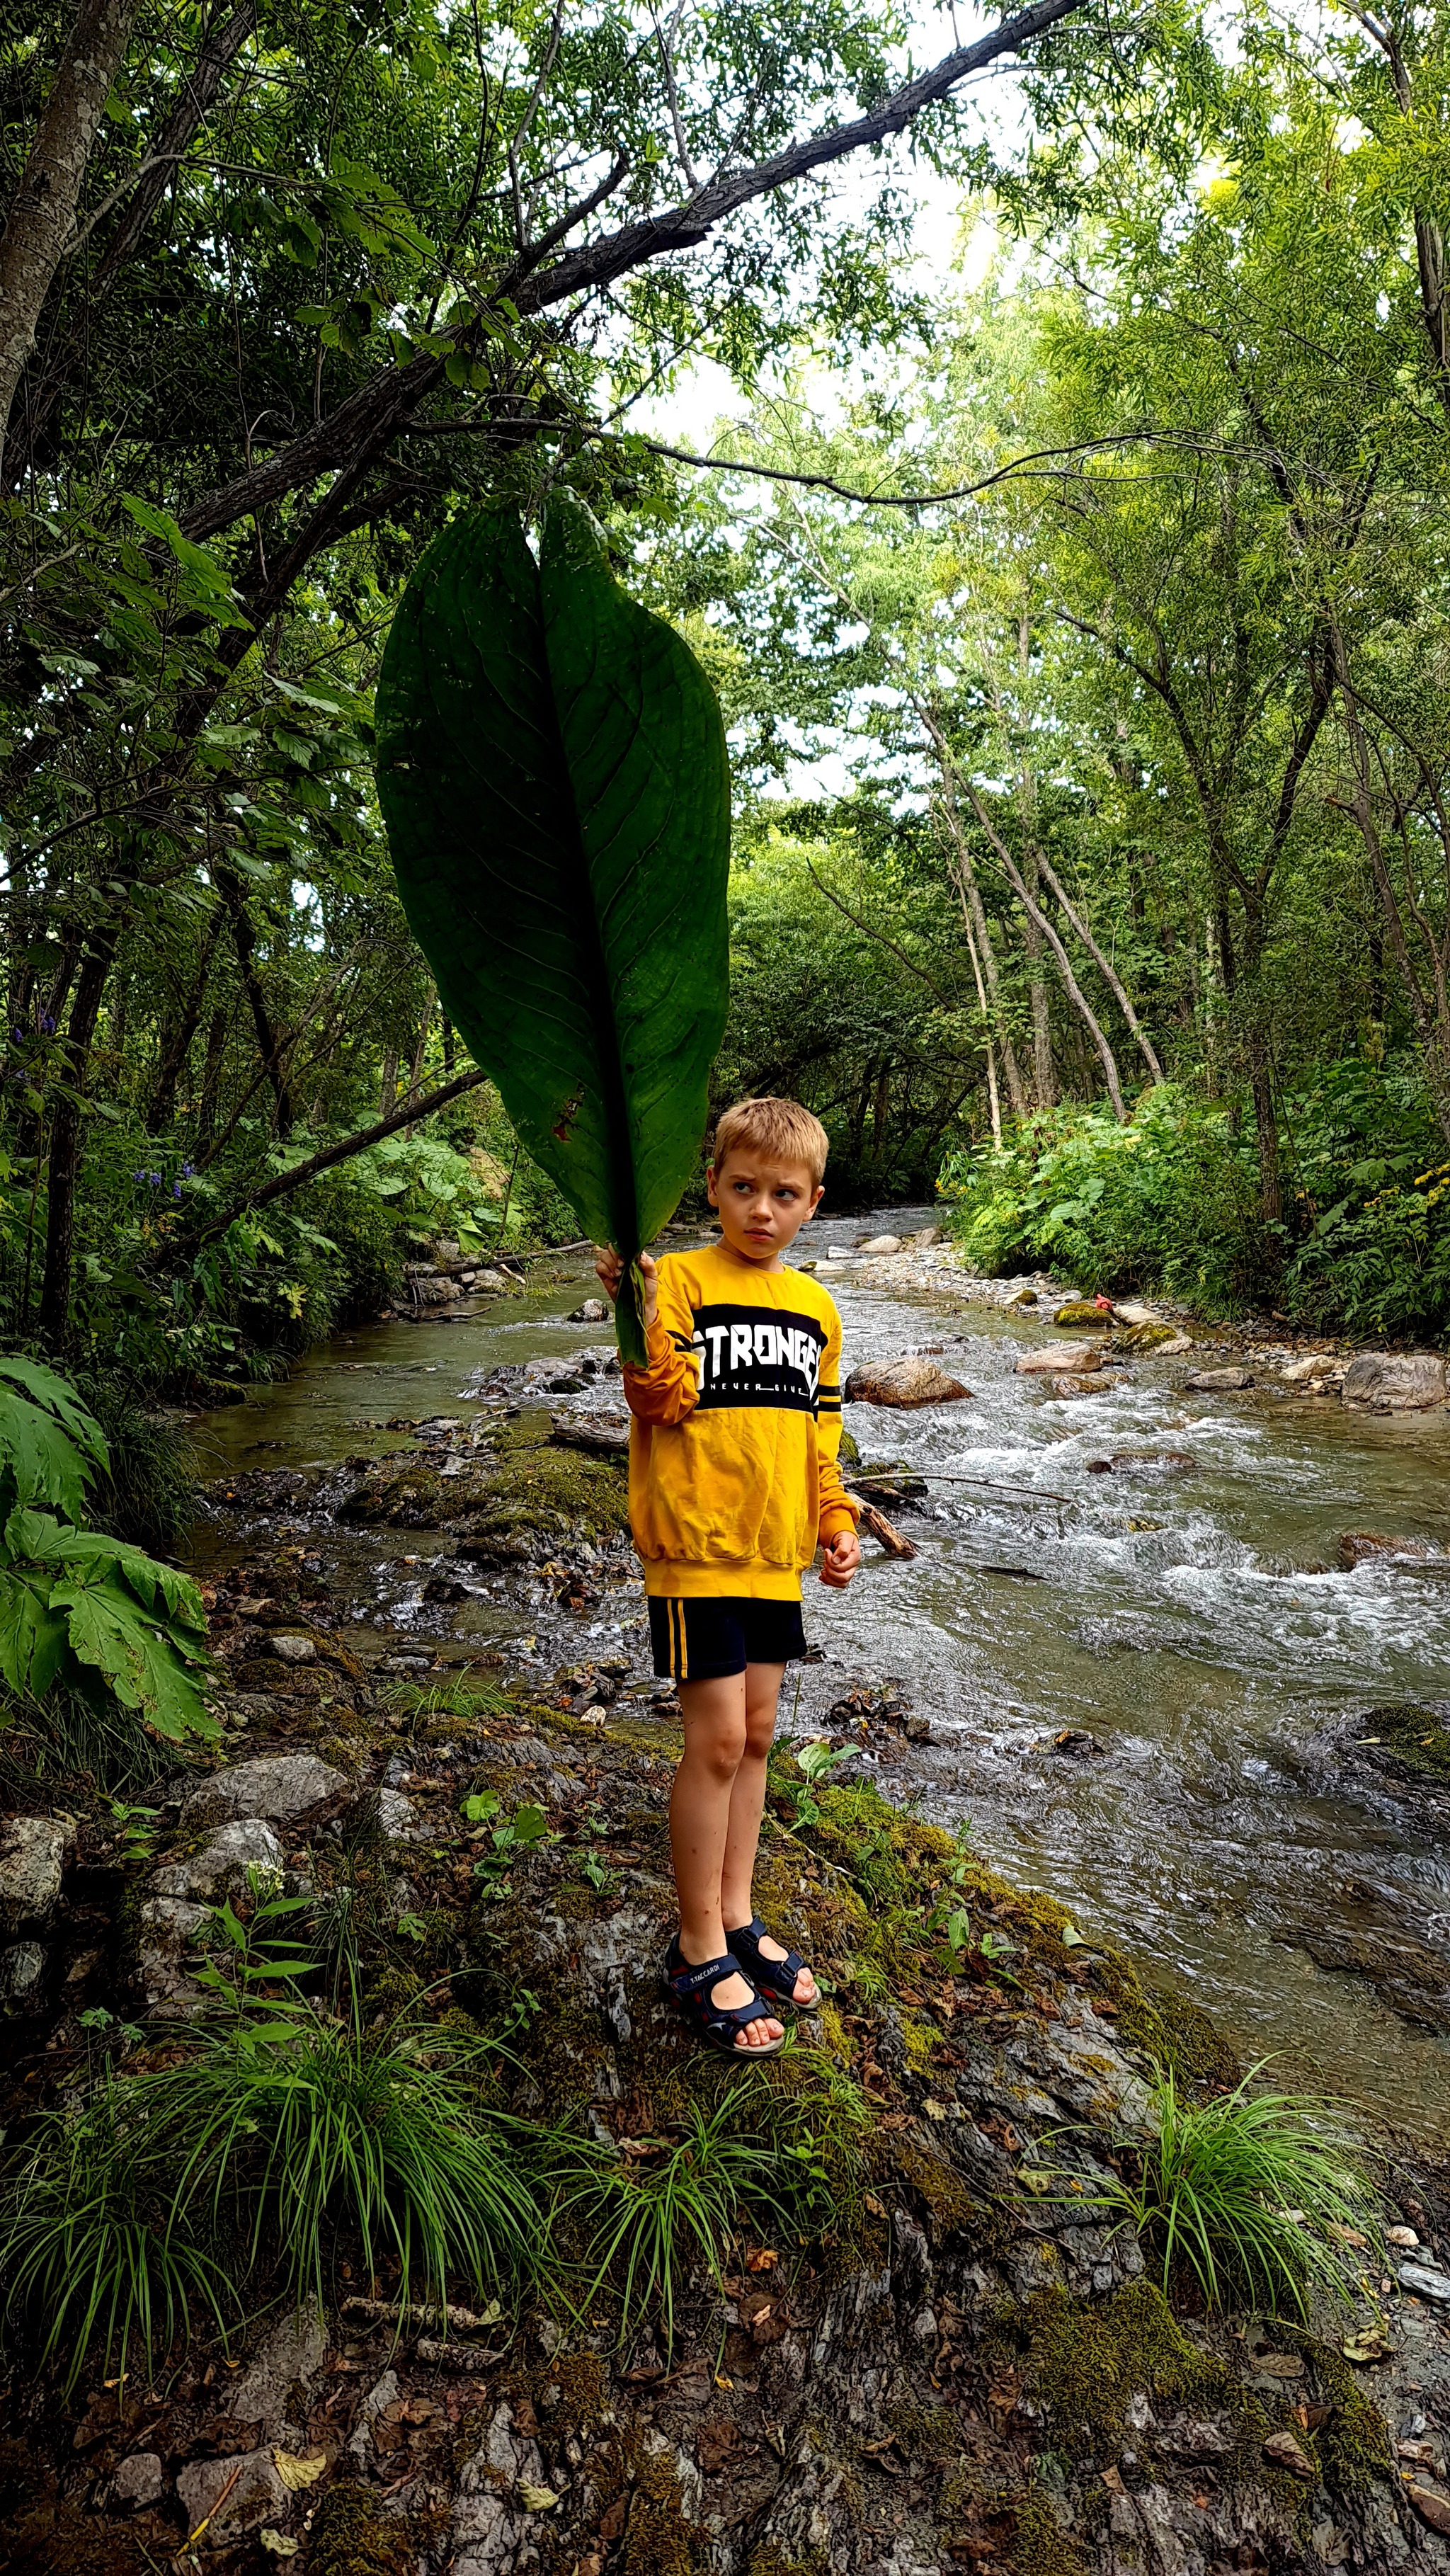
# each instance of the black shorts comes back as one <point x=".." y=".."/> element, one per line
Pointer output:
<point x="700" y="1641"/>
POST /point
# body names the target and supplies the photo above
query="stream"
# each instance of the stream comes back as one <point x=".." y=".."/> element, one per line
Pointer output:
<point x="1193" y="1622"/>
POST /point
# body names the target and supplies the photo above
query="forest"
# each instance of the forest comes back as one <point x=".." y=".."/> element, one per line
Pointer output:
<point x="1097" y="571"/>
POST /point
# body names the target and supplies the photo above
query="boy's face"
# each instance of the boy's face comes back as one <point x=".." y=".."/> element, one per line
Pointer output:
<point x="763" y="1203"/>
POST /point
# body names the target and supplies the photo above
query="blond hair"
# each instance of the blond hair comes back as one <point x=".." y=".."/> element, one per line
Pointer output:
<point x="778" y="1127"/>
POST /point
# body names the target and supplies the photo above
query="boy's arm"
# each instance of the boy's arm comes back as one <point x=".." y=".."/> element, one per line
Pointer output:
<point x="838" y="1510"/>
<point x="667" y="1390"/>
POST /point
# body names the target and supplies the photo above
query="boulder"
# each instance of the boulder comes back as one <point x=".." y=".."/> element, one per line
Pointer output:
<point x="605" y="1434"/>
<point x="1394" y="1381"/>
<point x="882" y="1243"/>
<point x="1127" y="1311"/>
<point x="1080" y="1311"/>
<point x="166" y="1929"/>
<point x="593" y="1311"/>
<point x="904" y="1383"/>
<point x="1315" y="1370"/>
<point x="925" y="1236"/>
<point x="1058" y="1355"/>
<point x="1362" y="1547"/>
<point x="220" y="1867"/>
<point x="1021" y="1297"/>
<point x="277" y="1787"/>
<point x="1219" y="1381"/>
<point x="32" y="1856"/>
<point x="1083" y="1382"/>
<point x="1150" y="1335"/>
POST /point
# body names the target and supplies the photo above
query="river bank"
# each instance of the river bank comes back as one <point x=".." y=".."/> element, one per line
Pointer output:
<point x="928" y="2349"/>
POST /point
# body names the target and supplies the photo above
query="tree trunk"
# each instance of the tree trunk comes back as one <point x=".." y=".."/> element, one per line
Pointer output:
<point x="1044" y="1082"/>
<point x="974" y="917"/>
<point x="283" y="1183"/>
<point x="1071" y="986"/>
<point x="177" y="1045"/>
<point x="63" y="1165"/>
<point x="211" y="1075"/>
<point x="42" y="215"/>
<point x="269" y="1044"/>
<point x="1108" y="972"/>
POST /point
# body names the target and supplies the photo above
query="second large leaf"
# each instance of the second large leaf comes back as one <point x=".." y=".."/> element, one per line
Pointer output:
<point x="553" y="775"/>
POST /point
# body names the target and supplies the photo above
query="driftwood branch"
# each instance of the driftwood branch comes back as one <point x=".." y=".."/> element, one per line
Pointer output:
<point x="411" y="1112"/>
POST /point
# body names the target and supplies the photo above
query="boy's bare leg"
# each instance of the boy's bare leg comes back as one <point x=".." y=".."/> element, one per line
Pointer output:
<point x="714" y="1719"/>
<point x="747" y="1805"/>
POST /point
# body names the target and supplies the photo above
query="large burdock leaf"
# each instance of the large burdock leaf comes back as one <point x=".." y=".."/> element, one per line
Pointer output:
<point x="552" y="771"/>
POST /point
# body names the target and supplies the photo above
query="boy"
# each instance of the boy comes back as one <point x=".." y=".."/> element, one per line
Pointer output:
<point x="732" y="1479"/>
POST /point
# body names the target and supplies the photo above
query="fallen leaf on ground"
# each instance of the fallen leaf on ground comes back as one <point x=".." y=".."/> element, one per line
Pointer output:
<point x="1348" y="2236"/>
<point x="538" y="2499"/>
<point x="1373" y="2344"/>
<point x="280" y="2543"/>
<point x="1287" y="2453"/>
<point x="1113" y="2481"/>
<point x="296" y="2471"/>
<point x="1279" y="2365"/>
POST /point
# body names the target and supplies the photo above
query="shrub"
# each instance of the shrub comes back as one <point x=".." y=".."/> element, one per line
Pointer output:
<point x="1169" y="1201"/>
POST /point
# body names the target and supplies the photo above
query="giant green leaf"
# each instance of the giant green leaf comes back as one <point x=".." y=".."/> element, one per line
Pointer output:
<point x="50" y="1446"/>
<point x="552" y="771"/>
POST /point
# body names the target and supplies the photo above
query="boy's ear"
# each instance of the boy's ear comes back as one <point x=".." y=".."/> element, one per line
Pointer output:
<point x="710" y="1184"/>
<point x="817" y="1195"/>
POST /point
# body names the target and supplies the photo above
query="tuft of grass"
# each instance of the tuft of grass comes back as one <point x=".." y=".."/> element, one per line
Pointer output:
<point x="648" y="2224"/>
<point x="92" y="2242"/>
<point x="1245" y="2193"/>
<point x="275" y="2136"/>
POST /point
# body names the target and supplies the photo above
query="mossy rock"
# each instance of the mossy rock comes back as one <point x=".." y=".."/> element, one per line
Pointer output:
<point x="1144" y="1337"/>
<point x="1084" y="2360"/>
<point x="1412" y="1740"/>
<point x="1080" y="1311"/>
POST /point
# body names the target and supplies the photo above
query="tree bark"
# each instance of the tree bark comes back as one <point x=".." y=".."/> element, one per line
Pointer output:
<point x="1108" y="972"/>
<point x="42" y="216"/>
<point x="158" y="173"/>
<point x="974" y="916"/>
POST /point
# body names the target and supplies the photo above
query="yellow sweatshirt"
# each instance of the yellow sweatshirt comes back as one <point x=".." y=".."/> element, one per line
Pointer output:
<point x="737" y="1421"/>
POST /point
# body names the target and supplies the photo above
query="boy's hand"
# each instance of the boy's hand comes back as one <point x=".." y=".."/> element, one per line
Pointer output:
<point x="840" y="1560"/>
<point x="609" y="1270"/>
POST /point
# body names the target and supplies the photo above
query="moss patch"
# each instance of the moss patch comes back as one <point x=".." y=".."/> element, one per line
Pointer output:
<point x="351" y="2538"/>
<point x="1039" y="2546"/>
<point x="1084" y="2361"/>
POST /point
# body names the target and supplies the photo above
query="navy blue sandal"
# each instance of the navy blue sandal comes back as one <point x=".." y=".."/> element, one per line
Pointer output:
<point x="773" y="1978"/>
<point x="715" y="2024"/>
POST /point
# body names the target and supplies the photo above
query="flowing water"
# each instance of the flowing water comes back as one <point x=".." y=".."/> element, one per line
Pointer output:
<point x="1193" y="1622"/>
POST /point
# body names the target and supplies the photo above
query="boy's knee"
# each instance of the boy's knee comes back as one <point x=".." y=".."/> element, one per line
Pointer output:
<point x="721" y="1747"/>
<point x="759" y="1732"/>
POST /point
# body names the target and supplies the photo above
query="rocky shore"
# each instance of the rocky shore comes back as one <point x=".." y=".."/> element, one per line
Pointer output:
<point x="933" y="2351"/>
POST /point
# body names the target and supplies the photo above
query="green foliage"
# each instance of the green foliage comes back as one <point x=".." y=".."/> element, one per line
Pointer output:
<point x="1246" y="2193"/>
<point x="797" y="1771"/>
<point x="79" y="1610"/>
<point x="552" y="770"/>
<point x="1166" y="1202"/>
<point x="648" y="2223"/>
<point x="503" y="1837"/>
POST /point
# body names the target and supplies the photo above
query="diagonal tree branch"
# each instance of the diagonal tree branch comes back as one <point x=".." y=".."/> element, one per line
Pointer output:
<point x="393" y="396"/>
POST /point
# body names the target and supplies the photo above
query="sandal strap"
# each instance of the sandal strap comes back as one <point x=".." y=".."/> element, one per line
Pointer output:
<point x="687" y="1980"/>
<point x="781" y="1973"/>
